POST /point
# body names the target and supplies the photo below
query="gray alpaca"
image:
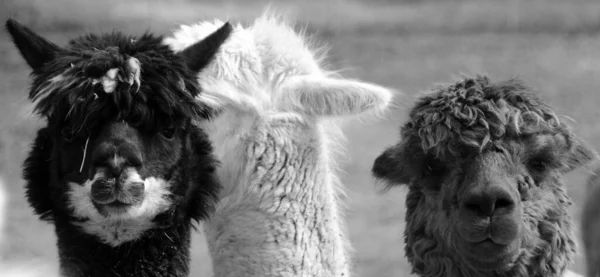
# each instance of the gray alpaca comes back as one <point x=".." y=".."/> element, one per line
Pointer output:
<point x="483" y="162"/>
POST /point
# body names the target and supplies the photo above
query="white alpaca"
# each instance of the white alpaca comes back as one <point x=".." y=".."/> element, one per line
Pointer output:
<point x="275" y="134"/>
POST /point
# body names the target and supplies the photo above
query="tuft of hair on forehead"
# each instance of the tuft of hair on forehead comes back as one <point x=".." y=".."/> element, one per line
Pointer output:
<point x="282" y="43"/>
<point x="135" y="78"/>
<point x="474" y="112"/>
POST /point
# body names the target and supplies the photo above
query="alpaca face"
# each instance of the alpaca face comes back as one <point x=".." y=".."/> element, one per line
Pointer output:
<point x="484" y="163"/>
<point x="132" y="176"/>
<point x="119" y="154"/>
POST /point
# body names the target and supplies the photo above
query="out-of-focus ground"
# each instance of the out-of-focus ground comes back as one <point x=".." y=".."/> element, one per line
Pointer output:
<point x="410" y="45"/>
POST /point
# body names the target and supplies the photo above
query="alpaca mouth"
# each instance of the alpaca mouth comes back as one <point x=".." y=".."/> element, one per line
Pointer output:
<point x="111" y="198"/>
<point x="489" y="255"/>
<point x="115" y="207"/>
<point x="110" y="195"/>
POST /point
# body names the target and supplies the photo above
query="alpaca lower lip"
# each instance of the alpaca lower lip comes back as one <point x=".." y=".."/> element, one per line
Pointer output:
<point x="488" y="255"/>
<point x="117" y="204"/>
<point x="115" y="207"/>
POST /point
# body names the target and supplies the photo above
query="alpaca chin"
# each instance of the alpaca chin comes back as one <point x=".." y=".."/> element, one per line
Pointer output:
<point x="115" y="228"/>
<point x="496" y="257"/>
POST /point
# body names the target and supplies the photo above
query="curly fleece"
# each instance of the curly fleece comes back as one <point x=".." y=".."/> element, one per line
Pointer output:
<point x="456" y="123"/>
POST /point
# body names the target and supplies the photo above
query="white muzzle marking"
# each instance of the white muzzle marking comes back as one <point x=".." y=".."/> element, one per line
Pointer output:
<point x="117" y="228"/>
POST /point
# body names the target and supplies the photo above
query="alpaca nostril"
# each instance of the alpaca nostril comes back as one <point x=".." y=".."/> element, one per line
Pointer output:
<point x="503" y="203"/>
<point x="480" y="205"/>
<point x="472" y="207"/>
<point x="487" y="202"/>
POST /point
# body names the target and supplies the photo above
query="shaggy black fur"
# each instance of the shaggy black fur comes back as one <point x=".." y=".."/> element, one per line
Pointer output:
<point x="78" y="109"/>
<point x="36" y="171"/>
<point x="160" y="252"/>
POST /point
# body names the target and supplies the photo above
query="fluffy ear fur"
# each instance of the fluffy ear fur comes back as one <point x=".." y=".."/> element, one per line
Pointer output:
<point x="394" y="165"/>
<point x="198" y="55"/>
<point x="36" y="172"/>
<point x="322" y="96"/>
<point x="34" y="48"/>
<point x="579" y="155"/>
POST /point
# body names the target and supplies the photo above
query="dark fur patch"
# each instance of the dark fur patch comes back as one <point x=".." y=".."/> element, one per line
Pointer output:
<point x="447" y="131"/>
<point x="160" y="252"/>
<point x="166" y="94"/>
<point x="36" y="173"/>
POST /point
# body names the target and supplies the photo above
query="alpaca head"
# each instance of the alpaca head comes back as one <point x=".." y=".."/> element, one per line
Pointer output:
<point x="119" y="153"/>
<point x="267" y="76"/>
<point x="483" y="163"/>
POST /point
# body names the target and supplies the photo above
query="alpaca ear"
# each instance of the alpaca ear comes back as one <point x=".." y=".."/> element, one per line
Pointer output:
<point x="579" y="155"/>
<point x="392" y="166"/>
<point x="321" y="96"/>
<point x="36" y="172"/>
<point x="36" y="50"/>
<point x="199" y="55"/>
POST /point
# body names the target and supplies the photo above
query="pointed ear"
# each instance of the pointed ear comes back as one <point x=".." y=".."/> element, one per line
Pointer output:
<point x="579" y="155"/>
<point x="322" y="96"/>
<point x="394" y="166"/>
<point x="200" y="54"/>
<point x="34" y="48"/>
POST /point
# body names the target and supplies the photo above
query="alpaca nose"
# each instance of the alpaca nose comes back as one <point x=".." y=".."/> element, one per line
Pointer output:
<point x="114" y="158"/>
<point x="485" y="201"/>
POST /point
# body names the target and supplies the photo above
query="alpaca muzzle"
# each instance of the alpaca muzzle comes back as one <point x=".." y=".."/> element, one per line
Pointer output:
<point x="107" y="191"/>
<point x="122" y="192"/>
<point x="489" y="225"/>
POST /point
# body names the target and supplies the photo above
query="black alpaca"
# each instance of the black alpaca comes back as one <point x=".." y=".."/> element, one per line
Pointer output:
<point x="120" y="168"/>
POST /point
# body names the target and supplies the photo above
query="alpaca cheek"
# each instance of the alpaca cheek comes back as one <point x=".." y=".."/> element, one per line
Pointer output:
<point x="160" y="158"/>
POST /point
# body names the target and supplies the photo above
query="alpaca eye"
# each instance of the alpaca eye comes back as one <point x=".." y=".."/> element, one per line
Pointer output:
<point x="169" y="132"/>
<point x="434" y="168"/>
<point x="67" y="133"/>
<point x="538" y="165"/>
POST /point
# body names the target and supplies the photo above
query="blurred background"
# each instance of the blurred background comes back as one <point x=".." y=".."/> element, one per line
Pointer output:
<point x="406" y="44"/>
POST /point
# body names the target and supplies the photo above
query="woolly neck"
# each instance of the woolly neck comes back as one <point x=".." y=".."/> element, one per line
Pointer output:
<point x="158" y="252"/>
